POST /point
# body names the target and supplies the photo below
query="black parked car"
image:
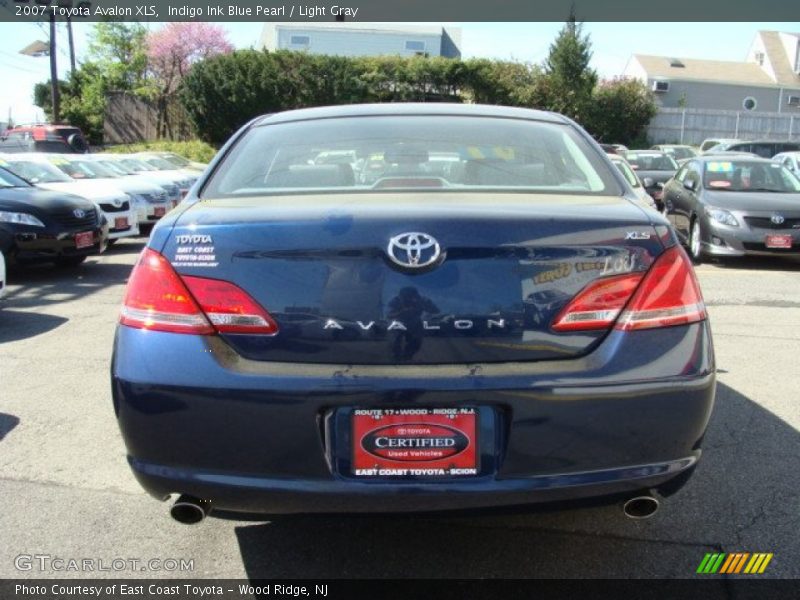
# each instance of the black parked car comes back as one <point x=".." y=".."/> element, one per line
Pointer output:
<point x="42" y="226"/>
<point x="723" y="206"/>
<point x="653" y="168"/>
<point x="514" y="329"/>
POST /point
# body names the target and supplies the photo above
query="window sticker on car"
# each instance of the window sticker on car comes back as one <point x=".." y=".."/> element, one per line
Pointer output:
<point x="720" y="167"/>
<point x="719" y="183"/>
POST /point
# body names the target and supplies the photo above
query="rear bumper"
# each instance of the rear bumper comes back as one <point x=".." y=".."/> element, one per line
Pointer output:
<point x="256" y="437"/>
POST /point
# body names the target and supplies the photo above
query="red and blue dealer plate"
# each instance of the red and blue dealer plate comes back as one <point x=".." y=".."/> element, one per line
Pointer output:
<point x="415" y="442"/>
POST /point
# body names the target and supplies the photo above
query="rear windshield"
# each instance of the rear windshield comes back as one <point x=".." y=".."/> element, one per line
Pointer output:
<point x="749" y="176"/>
<point x="395" y="153"/>
<point x="651" y="162"/>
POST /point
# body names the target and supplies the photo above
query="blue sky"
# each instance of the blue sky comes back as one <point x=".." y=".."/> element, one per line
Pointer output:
<point x="613" y="43"/>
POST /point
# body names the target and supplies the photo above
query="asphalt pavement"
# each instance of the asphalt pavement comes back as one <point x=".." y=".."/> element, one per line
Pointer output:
<point x="66" y="491"/>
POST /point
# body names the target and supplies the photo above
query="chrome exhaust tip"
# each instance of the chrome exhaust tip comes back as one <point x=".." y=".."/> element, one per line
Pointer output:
<point x="190" y="510"/>
<point x="641" y="507"/>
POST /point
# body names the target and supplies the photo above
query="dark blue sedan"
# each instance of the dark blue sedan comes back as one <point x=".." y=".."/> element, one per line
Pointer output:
<point x="343" y="317"/>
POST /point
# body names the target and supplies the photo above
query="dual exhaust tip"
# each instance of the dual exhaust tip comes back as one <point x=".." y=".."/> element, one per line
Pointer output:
<point x="190" y="510"/>
<point x="641" y="507"/>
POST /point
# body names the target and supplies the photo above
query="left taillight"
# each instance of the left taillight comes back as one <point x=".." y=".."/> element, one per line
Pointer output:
<point x="158" y="299"/>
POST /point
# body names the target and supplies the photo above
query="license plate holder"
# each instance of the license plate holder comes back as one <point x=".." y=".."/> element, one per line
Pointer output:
<point x="120" y="223"/>
<point x="84" y="240"/>
<point x="778" y="241"/>
<point x="159" y="211"/>
<point x="414" y="443"/>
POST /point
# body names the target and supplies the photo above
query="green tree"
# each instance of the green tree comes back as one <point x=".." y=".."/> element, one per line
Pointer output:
<point x="570" y="79"/>
<point x="116" y="61"/>
<point x="621" y="111"/>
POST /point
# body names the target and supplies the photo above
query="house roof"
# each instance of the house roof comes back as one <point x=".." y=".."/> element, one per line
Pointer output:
<point x="776" y="54"/>
<point x="705" y="70"/>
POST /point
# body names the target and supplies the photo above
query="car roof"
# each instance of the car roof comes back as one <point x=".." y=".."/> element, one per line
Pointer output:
<point x="410" y="109"/>
<point x="716" y="158"/>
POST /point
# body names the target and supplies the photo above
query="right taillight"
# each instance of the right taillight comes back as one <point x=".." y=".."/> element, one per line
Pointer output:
<point x="668" y="295"/>
<point x="158" y="299"/>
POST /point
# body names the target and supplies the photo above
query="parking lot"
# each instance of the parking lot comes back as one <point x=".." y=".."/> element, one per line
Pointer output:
<point x="67" y="491"/>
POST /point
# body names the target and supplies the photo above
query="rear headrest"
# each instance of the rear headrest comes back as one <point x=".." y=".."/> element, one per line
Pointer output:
<point x="311" y="176"/>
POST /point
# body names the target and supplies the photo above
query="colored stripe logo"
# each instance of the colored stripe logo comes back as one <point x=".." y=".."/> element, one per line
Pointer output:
<point x="734" y="563"/>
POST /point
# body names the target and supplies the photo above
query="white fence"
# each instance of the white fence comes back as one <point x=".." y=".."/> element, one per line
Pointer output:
<point x="693" y="125"/>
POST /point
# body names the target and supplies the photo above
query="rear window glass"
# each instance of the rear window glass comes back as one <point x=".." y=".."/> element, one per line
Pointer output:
<point x="396" y="153"/>
<point x="651" y="162"/>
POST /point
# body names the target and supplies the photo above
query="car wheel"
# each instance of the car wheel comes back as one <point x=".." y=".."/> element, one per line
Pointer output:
<point x="695" y="246"/>
<point x="70" y="262"/>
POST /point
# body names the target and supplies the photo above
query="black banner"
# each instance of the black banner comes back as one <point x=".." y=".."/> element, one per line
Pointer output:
<point x="711" y="588"/>
<point x="400" y="10"/>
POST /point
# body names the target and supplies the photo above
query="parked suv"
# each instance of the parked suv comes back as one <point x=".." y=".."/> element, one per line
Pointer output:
<point x="762" y="148"/>
<point x="44" y="138"/>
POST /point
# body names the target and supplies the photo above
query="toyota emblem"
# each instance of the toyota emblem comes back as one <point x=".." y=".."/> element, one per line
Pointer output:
<point x="117" y="202"/>
<point x="79" y="213"/>
<point x="777" y="219"/>
<point x="414" y="250"/>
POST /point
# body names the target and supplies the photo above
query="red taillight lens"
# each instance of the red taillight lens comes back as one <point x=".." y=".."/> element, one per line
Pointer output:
<point x="158" y="299"/>
<point x="668" y="295"/>
<point x="598" y="305"/>
<point x="229" y="308"/>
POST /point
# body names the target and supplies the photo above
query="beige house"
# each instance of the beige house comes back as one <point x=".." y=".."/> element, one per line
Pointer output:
<point x="767" y="80"/>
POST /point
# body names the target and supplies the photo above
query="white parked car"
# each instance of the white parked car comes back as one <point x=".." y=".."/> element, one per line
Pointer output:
<point x="115" y="166"/>
<point x="790" y="160"/>
<point x="630" y="176"/>
<point x="141" y="163"/>
<point x="115" y="204"/>
<point x="150" y="200"/>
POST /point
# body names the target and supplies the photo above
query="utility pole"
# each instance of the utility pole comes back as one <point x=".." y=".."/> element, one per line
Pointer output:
<point x="71" y="46"/>
<point x="54" y="91"/>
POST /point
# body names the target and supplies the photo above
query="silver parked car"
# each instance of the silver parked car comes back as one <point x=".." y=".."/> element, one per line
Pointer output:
<point x="723" y="206"/>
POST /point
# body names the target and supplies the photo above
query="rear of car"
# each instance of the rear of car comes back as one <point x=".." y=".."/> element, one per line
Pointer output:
<point x="44" y="138"/>
<point x="400" y="332"/>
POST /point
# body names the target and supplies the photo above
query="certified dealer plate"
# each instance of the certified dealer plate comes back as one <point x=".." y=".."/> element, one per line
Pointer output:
<point x="415" y="442"/>
<point x="778" y="241"/>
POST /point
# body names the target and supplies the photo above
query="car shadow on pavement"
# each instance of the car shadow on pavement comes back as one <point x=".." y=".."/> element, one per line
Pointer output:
<point x="15" y="326"/>
<point x="7" y="423"/>
<point x="743" y="498"/>
<point x="43" y="285"/>
<point x="789" y="264"/>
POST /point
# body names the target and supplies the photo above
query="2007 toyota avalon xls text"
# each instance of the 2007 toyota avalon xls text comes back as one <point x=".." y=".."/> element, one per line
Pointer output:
<point x="346" y="315"/>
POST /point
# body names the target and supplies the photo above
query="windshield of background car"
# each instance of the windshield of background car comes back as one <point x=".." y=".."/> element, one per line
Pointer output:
<point x="115" y="167"/>
<point x="749" y="176"/>
<point x="137" y="165"/>
<point x="390" y="153"/>
<point x="627" y="172"/>
<point x="82" y="169"/>
<point x="36" y="172"/>
<point x="159" y="163"/>
<point x="8" y="179"/>
<point x="176" y="160"/>
<point x="679" y="153"/>
<point x="651" y="162"/>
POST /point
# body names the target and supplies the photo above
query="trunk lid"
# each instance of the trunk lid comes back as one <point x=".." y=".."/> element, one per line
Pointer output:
<point x="319" y="264"/>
